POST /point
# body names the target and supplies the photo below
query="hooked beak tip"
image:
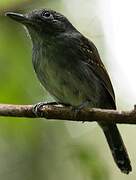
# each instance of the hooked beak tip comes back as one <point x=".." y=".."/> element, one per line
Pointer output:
<point x="17" y="17"/>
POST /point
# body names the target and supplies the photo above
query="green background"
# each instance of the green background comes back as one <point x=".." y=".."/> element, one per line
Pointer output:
<point x="38" y="149"/>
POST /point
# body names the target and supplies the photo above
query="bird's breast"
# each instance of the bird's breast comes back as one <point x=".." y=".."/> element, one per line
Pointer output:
<point x="68" y="84"/>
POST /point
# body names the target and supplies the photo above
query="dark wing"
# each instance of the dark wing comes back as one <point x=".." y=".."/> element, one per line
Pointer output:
<point x="94" y="61"/>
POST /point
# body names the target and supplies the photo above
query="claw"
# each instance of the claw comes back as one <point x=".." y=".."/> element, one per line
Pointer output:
<point x="37" y="108"/>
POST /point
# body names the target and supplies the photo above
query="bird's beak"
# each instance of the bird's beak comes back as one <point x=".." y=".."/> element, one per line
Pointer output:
<point x="19" y="17"/>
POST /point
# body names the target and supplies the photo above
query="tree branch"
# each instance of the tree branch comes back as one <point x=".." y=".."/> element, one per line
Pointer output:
<point x="67" y="113"/>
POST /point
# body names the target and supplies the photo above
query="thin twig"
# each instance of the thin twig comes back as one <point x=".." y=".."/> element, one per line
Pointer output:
<point x="67" y="113"/>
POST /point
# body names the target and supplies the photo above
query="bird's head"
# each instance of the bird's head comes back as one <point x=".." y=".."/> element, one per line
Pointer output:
<point x="43" y="23"/>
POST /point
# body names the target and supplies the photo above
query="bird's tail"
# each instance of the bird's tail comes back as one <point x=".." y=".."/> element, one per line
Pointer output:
<point x="117" y="147"/>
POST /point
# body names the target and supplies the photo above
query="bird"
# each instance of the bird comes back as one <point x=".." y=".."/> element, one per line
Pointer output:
<point x="69" y="67"/>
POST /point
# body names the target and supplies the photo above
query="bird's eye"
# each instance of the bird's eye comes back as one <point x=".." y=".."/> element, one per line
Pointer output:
<point x="46" y="15"/>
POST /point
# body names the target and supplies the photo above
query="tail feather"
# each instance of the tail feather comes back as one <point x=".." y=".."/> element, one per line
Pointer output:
<point x="117" y="147"/>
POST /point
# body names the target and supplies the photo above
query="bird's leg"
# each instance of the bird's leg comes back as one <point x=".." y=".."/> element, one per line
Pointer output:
<point x="83" y="105"/>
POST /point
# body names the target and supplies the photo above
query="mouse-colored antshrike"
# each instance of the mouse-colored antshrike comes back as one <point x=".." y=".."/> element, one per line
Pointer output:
<point x="68" y="65"/>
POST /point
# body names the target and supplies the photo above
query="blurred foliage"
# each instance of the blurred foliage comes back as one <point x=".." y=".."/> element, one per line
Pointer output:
<point x="6" y="3"/>
<point x="31" y="149"/>
<point x="12" y="4"/>
<point x="89" y="162"/>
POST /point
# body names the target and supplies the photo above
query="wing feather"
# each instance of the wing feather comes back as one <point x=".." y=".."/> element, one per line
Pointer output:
<point x="94" y="61"/>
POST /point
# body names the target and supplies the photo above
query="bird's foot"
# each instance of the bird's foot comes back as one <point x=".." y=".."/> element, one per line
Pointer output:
<point x="77" y="109"/>
<point x="39" y="106"/>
